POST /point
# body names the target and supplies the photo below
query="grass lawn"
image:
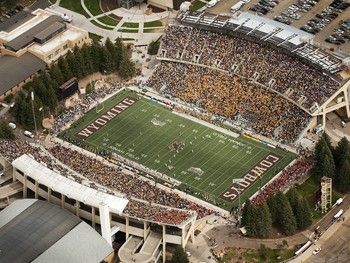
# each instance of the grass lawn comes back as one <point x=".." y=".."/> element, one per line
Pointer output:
<point x="108" y="20"/>
<point x="95" y="37"/>
<point x="153" y="30"/>
<point x="101" y="26"/>
<point x="131" y="25"/>
<point x="309" y="190"/>
<point x="127" y="39"/>
<point x="197" y="5"/>
<point x="93" y="6"/>
<point x="128" y="30"/>
<point x="74" y="5"/>
<point x="204" y="160"/>
<point x="156" y="23"/>
<point x="256" y="255"/>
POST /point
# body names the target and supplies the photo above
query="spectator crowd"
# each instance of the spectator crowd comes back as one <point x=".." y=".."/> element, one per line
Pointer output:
<point x="146" y="200"/>
<point x="232" y="97"/>
<point x="79" y="109"/>
<point x="287" y="179"/>
<point x="293" y="78"/>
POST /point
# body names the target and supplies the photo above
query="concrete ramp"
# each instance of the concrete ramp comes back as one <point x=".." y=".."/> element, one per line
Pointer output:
<point x="148" y="253"/>
<point x="10" y="189"/>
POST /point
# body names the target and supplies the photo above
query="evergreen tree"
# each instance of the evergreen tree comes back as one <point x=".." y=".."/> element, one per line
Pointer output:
<point x="285" y="218"/>
<point x="327" y="140"/>
<point x="127" y="67"/>
<point x="179" y="256"/>
<point x="89" y="62"/>
<point x="113" y="53"/>
<point x="76" y="63"/>
<point x="304" y="215"/>
<point x="18" y="108"/>
<point x="263" y="221"/>
<point x="65" y="69"/>
<point x="94" y="53"/>
<point x="251" y="225"/>
<point x="106" y="61"/>
<point x="301" y="209"/>
<point x="342" y="180"/>
<point x="119" y="50"/>
<point x="341" y="152"/>
<point x="56" y="74"/>
<point x="246" y="212"/>
<point x="40" y="90"/>
<point x="271" y="202"/>
<point x="5" y="131"/>
<point x="324" y="160"/>
<point x="327" y="166"/>
<point x="51" y="100"/>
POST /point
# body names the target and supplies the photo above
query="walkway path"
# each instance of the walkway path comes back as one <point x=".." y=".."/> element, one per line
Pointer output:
<point x="229" y="236"/>
<point x="134" y="15"/>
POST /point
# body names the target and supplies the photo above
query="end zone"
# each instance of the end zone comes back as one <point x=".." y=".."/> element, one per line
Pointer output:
<point x="106" y="117"/>
<point x="250" y="178"/>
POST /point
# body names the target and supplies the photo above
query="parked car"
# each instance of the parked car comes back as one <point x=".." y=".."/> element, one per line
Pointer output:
<point x="316" y="251"/>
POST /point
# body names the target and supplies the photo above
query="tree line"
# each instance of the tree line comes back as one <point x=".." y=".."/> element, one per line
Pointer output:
<point x="333" y="162"/>
<point x="88" y="59"/>
<point x="291" y="212"/>
<point x="287" y="212"/>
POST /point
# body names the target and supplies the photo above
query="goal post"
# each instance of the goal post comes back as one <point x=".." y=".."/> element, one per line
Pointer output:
<point x="100" y="107"/>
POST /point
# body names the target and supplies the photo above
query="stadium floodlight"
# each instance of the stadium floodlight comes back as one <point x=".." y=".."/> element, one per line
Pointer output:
<point x="32" y="101"/>
<point x="238" y="180"/>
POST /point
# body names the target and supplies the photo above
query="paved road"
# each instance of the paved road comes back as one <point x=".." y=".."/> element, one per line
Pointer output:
<point x="335" y="249"/>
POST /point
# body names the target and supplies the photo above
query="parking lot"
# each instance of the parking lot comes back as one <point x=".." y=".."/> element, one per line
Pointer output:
<point x="328" y="20"/>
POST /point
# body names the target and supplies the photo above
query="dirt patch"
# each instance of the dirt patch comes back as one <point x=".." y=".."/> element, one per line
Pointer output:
<point x="98" y="76"/>
<point x="108" y="5"/>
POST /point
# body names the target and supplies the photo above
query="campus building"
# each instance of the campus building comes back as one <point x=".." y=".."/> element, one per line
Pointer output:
<point x="36" y="231"/>
<point x="29" y="42"/>
<point x="105" y="211"/>
<point x="163" y="4"/>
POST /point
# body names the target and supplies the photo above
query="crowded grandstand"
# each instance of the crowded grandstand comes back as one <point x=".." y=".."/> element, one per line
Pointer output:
<point x="217" y="63"/>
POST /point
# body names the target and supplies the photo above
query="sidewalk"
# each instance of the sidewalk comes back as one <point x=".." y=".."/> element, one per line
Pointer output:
<point x="134" y="15"/>
<point x="323" y="239"/>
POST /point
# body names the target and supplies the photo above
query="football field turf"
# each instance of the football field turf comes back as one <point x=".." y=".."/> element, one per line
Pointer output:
<point x="203" y="159"/>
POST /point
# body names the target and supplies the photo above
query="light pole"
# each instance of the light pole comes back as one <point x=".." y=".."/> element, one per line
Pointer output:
<point x="238" y="180"/>
<point x="36" y="130"/>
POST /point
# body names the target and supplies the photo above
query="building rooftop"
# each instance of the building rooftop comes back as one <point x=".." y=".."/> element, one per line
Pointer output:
<point x="49" y="31"/>
<point x="16" y="20"/>
<point x="38" y="231"/>
<point x="14" y="70"/>
<point x="27" y="37"/>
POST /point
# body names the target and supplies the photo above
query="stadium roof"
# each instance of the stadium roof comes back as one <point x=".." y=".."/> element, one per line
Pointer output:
<point x="14" y="70"/>
<point x="38" y="231"/>
<point x="68" y="187"/>
<point x="266" y="30"/>
<point x="27" y="36"/>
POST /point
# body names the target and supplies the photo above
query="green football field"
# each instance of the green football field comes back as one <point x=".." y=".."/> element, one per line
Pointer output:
<point x="204" y="160"/>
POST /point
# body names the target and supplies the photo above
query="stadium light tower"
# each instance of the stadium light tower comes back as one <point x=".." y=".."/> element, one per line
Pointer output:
<point x="32" y="100"/>
<point x="238" y="180"/>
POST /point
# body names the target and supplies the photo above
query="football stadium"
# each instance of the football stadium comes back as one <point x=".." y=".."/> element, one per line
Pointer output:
<point x="226" y="112"/>
<point x="201" y="160"/>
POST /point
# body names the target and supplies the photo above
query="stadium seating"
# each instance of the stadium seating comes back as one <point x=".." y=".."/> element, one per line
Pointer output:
<point x="146" y="201"/>
<point x="219" y="93"/>
<point x="304" y="84"/>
